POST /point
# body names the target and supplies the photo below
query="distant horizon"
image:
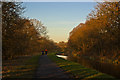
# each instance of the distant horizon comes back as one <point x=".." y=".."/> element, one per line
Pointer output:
<point x="59" y="17"/>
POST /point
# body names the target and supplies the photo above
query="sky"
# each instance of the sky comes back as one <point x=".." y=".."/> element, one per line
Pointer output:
<point x="59" y="17"/>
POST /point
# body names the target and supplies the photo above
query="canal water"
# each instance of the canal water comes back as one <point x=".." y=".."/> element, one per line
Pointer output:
<point x="108" y="68"/>
<point x="64" y="57"/>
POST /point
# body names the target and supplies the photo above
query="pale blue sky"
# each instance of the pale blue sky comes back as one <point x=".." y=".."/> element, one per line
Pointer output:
<point x="59" y="17"/>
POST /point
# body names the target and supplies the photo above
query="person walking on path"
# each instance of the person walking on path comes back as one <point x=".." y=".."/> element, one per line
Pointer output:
<point x="46" y="51"/>
<point x="42" y="52"/>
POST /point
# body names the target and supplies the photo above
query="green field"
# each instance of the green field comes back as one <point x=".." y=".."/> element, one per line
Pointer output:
<point x="23" y="67"/>
<point x="77" y="70"/>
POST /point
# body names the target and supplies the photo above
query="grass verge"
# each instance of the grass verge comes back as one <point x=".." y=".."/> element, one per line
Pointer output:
<point x="77" y="70"/>
<point x="23" y="67"/>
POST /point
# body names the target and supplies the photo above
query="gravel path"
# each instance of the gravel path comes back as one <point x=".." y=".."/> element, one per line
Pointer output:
<point x="48" y="69"/>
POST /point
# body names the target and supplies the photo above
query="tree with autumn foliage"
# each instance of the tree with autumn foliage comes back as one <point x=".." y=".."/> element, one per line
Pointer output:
<point x="21" y="36"/>
<point x="99" y="35"/>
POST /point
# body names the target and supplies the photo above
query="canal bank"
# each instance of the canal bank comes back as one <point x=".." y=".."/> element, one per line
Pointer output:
<point x="104" y="67"/>
<point x="77" y="70"/>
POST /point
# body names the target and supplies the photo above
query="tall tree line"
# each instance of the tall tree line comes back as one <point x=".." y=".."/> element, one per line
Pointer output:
<point x="100" y="34"/>
<point x="21" y="36"/>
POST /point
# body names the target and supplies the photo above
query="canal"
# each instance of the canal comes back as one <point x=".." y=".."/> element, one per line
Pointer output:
<point x="108" y="68"/>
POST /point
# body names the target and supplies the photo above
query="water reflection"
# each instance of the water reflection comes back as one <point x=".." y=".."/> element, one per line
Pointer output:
<point x="64" y="57"/>
<point x="111" y="69"/>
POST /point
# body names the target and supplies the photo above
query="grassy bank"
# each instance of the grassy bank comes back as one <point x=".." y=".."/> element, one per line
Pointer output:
<point x="23" y="67"/>
<point x="77" y="70"/>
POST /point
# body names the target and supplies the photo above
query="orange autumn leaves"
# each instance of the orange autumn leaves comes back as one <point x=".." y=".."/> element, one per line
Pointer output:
<point x="99" y="35"/>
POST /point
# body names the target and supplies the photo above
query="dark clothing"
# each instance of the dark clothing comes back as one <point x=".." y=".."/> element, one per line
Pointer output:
<point x="46" y="52"/>
<point x="42" y="52"/>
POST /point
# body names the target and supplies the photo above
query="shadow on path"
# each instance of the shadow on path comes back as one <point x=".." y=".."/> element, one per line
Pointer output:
<point x="48" y="69"/>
